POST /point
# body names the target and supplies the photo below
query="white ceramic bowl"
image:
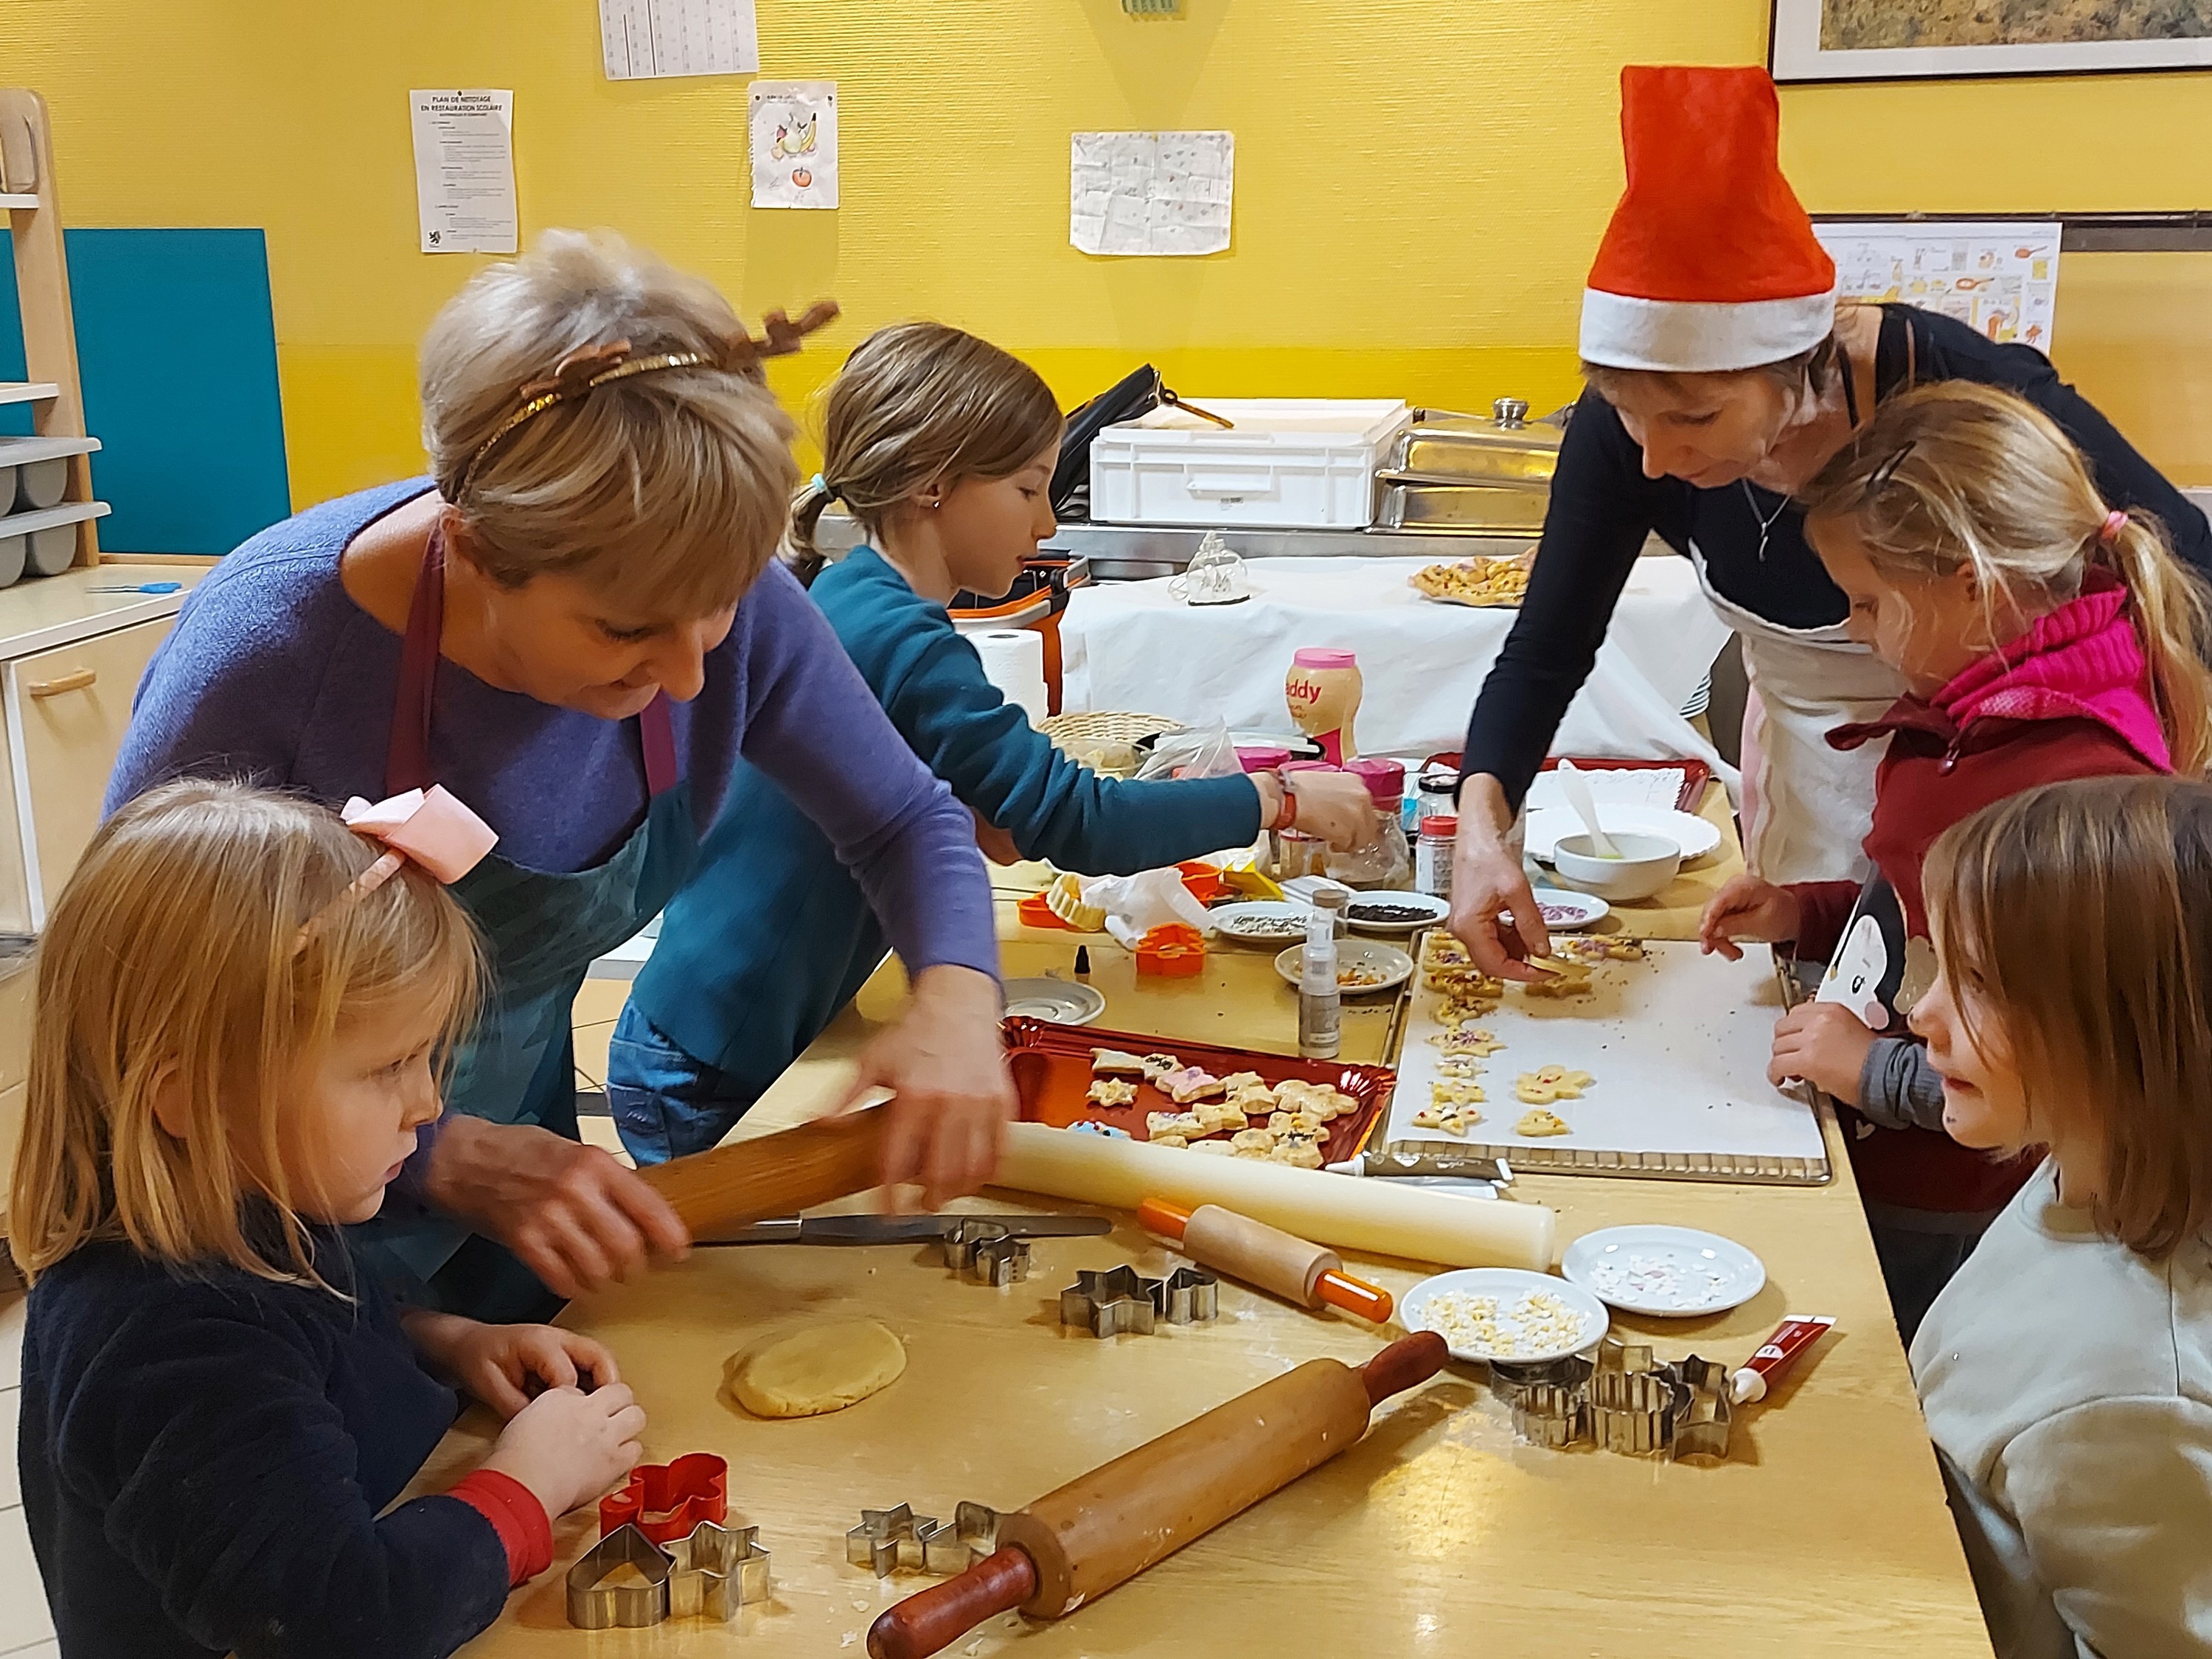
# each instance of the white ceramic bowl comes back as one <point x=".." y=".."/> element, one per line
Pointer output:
<point x="1646" y="863"/>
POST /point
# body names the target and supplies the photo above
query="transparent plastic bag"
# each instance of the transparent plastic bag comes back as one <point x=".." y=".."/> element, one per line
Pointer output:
<point x="1198" y="752"/>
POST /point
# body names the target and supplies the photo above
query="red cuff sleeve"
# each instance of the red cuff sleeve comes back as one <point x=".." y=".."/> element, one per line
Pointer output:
<point x="1823" y="908"/>
<point x="524" y="1530"/>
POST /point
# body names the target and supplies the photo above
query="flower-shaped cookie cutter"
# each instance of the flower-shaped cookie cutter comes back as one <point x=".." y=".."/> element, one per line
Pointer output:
<point x="714" y="1571"/>
<point x="665" y="1501"/>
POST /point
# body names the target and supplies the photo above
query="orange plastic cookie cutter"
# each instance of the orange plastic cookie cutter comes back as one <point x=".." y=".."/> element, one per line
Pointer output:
<point x="1201" y="880"/>
<point x="665" y="1501"/>
<point x="1175" y="950"/>
<point x="1036" y="913"/>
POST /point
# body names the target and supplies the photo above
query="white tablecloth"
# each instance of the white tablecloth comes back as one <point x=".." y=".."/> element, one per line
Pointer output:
<point x="1134" y="647"/>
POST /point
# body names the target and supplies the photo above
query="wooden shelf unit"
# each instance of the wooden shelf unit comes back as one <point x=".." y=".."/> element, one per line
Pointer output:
<point x="28" y="194"/>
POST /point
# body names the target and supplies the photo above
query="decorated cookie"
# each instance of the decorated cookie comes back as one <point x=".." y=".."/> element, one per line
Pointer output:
<point x="1539" y="1123"/>
<point x="1550" y="1083"/>
<point x="1112" y="1091"/>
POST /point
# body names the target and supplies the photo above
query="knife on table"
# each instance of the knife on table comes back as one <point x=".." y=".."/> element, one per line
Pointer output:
<point x="905" y="1229"/>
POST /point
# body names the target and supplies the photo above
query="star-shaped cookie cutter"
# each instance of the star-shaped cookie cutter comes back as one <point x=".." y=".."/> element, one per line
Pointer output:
<point x="887" y="1539"/>
<point x="1107" y="1303"/>
<point x="954" y="1545"/>
<point x="714" y="1571"/>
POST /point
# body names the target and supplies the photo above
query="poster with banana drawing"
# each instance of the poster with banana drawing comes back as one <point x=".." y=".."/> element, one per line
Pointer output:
<point x="794" y="143"/>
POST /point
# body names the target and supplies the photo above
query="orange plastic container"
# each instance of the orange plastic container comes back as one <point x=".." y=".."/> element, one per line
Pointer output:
<point x="1173" y="951"/>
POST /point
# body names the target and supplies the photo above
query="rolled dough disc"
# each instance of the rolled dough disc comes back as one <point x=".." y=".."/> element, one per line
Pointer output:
<point x="820" y="1368"/>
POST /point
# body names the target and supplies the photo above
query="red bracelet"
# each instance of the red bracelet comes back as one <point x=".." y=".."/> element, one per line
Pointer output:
<point x="1287" y="813"/>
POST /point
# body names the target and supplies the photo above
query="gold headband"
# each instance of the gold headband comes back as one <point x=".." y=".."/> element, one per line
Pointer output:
<point x="588" y="367"/>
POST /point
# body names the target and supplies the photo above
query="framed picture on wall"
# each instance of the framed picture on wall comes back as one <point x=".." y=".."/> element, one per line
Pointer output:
<point x="1921" y="40"/>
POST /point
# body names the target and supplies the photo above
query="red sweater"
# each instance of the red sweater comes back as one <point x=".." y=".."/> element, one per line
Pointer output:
<point x="1947" y="761"/>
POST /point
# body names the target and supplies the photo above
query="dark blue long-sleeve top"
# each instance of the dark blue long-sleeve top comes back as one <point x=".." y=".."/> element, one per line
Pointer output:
<point x="771" y="936"/>
<point x="204" y="1458"/>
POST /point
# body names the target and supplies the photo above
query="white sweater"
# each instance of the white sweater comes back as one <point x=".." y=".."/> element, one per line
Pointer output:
<point x="2068" y="1385"/>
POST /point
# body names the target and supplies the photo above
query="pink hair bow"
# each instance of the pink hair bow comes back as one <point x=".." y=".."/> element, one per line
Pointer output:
<point x="429" y="826"/>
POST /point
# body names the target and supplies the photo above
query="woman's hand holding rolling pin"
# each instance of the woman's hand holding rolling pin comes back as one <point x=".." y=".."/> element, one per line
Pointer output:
<point x="1493" y="913"/>
<point x="946" y="1066"/>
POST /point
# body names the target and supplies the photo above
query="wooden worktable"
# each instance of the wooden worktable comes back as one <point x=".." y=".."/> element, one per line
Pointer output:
<point x="1825" y="1534"/>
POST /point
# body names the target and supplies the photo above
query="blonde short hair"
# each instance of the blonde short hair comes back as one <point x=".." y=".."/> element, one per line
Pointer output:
<point x="1958" y="474"/>
<point x="918" y="404"/>
<point x="2081" y="913"/>
<point x="665" y="490"/>
<point x="173" y="962"/>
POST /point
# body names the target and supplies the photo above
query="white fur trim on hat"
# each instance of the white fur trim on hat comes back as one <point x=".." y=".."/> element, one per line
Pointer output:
<point x="1695" y="336"/>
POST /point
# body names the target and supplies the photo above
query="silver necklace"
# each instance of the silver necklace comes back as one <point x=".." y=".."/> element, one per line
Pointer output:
<point x="1767" y="521"/>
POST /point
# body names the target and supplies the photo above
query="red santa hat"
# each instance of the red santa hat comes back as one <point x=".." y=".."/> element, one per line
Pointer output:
<point x="1710" y="262"/>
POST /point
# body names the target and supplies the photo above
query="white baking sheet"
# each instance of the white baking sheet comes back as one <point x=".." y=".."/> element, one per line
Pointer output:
<point x="1678" y="1044"/>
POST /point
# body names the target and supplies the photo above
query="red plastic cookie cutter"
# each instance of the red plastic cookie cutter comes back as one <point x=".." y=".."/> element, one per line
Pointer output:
<point x="665" y="1501"/>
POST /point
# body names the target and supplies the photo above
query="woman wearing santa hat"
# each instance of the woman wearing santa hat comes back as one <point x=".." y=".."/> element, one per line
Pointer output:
<point x="1722" y="375"/>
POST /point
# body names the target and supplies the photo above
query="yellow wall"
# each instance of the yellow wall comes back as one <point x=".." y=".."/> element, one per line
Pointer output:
<point x="1419" y="182"/>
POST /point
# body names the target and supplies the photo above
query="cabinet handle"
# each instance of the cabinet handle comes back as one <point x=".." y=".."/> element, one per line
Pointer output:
<point x="76" y="680"/>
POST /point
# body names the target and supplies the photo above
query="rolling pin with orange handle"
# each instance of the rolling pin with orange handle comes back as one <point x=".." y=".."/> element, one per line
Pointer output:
<point x="1074" y="1545"/>
<point x="771" y="1175"/>
<point x="1306" y="1274"/>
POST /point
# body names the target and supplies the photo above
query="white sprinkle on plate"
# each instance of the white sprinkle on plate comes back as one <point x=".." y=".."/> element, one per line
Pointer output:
<point x="1505" y="1313"/>
<point x="1674" y="1272"/>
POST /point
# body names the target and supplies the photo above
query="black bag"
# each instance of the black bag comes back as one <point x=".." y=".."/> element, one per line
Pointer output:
<point x="1129" y="398"/>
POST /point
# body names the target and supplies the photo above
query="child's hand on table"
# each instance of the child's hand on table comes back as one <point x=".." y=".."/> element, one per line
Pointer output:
<point x="498" y="1363"/>
<point x="569" y="1447"/>
<point x="1823" y="1044"/>
<point x="1748" y="908"/>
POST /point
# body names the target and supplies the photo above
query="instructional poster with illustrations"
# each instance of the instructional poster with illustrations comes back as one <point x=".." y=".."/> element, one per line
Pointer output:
<point x="794" y="143"/>
<point x="1151" y="193"/>
<point x="2000" y="277"/>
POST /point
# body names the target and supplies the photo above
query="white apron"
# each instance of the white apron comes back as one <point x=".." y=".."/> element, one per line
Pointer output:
<point x="1806" y="806"/>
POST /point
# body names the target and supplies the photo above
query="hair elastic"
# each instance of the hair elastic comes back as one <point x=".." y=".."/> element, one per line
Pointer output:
<point x="2115" y="522"/>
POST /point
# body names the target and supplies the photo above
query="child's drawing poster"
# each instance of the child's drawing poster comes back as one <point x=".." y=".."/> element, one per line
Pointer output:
<point x="794" y="143"/>
<point x="1151" y="193"/>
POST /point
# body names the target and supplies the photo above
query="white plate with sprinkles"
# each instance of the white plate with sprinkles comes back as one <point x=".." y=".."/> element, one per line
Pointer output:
<point x="1505" y="1313"/>
<point x="1672" y="1272"/>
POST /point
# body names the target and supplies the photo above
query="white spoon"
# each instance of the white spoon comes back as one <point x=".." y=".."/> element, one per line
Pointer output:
<point x="1576" y="788"/>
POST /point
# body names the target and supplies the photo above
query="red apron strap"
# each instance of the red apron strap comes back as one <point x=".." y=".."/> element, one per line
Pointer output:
<point x="656" y="735"/>
<point x="407" y="761"/>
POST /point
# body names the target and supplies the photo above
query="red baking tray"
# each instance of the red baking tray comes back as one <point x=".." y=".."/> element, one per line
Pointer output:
<point x="1051" y="1065"/>
<point x="1696" y="774"/>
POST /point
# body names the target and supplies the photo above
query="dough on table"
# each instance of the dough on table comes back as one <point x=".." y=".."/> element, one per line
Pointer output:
<point x="815" y="1369"/>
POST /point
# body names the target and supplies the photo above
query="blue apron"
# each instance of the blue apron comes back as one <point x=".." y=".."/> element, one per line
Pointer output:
<point x="541" y="931"/>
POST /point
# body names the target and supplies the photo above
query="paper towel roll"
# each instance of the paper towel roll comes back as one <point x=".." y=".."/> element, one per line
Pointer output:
<point x="1013" y="660"/>
<point x="1387" y="1217"/>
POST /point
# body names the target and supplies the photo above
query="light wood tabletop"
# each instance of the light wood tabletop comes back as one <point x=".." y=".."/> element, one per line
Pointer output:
<point x="1825" y="1533"/>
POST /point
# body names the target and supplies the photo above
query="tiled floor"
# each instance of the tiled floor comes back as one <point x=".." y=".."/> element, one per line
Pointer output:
<point x="26" y="1632"/>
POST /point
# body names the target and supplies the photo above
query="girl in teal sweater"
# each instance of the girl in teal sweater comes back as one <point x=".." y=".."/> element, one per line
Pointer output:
<point x="942" y="446"/>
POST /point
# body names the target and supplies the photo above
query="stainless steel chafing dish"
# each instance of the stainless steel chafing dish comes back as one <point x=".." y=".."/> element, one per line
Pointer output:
<point x="1473" y="474"/>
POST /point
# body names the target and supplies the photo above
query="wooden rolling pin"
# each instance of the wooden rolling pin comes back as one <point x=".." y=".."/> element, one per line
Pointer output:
<point x="775" y="1175"/>
<point x="1306" y="1274"/>
<point x="1072" y="1546"/>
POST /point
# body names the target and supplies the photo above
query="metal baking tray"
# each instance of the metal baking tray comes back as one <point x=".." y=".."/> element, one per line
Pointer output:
<point x="1420" y="503"/>
<point x="1051" y="1066"/>
<point x="1502" y="449"/>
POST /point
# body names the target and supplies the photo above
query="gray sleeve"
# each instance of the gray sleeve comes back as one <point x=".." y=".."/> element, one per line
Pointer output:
<point x="1897" y="1088"/>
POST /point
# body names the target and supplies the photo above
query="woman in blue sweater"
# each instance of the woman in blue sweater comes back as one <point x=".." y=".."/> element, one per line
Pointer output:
<point x="942" y="446"/>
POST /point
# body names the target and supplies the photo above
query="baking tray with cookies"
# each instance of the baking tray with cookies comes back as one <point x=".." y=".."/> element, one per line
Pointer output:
<point x="1311" y="1112"/>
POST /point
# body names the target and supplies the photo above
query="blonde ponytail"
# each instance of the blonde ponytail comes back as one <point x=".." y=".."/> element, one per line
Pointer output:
<point x="1956" y="475"/>
<point x="2172" y="615"/>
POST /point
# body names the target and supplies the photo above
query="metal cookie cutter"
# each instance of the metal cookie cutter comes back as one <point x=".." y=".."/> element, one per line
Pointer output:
<point x="887" y="1539"/>
<point x="1624" y="1402"/>
<point x="987" y="1253"/>
<point x="955" y="1546"/>
<point x="596" y="1606"/>
<point x="1187" y="1296"/>
<point x="1121" y="1300"/>
<point x="715" y="1570"/>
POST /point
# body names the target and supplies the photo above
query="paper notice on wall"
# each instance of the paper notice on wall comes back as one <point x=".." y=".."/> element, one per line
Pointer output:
<point x="465" y="170"/>
<point x="643" y="39"/>
<point x="1150" y="194"/>
<point x="2000" y="277"/>
<point x="794" y="143"/>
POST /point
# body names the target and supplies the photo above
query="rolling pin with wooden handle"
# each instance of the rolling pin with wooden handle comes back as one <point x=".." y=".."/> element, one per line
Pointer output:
<point x="1294" y="1269"/>
<point x="1074" y="1545"/>
<point x="771" y="1175"/>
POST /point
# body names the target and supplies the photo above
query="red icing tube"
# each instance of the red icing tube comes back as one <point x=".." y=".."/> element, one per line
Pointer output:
<point x="1791" y="1338"/>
